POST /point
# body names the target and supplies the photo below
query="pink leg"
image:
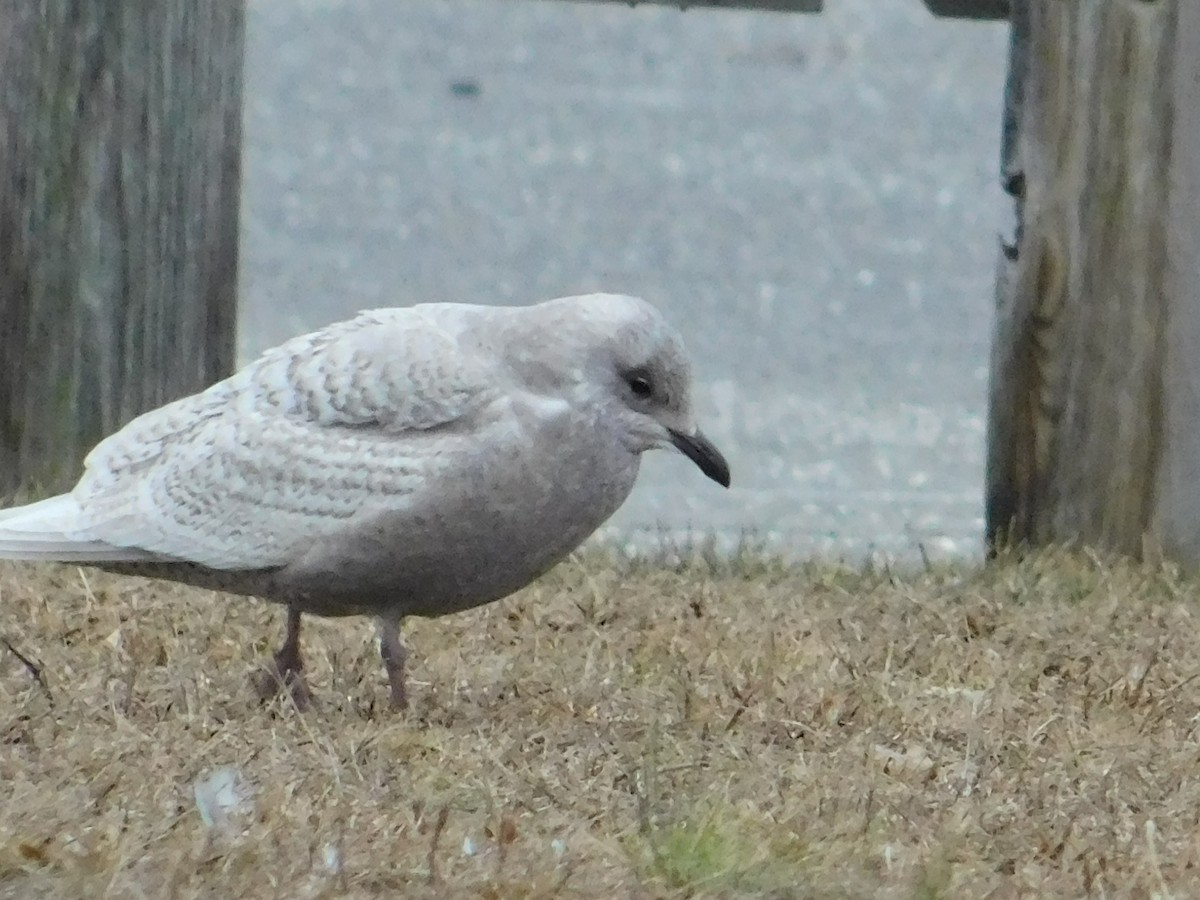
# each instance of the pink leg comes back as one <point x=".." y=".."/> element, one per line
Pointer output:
<point x="287" y="670"/>
<point x="392" y="651"/>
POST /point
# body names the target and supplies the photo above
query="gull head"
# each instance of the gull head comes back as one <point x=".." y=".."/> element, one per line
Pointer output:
<point x="629" y="361"/>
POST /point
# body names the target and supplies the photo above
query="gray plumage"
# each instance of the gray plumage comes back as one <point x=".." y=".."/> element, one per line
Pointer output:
<point x="413" y="461"/>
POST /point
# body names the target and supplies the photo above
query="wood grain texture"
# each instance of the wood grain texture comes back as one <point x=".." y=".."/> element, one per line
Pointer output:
<point x="120" y="161"/>
<point x="1177" y="514"/>
<point x="1078" y="409"/>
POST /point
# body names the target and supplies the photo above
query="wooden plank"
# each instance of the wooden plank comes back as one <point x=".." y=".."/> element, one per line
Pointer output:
<point x="969" y="9"/>
<point x="120" y="149"/>
<point x="1177" y="511"/>
<point x="1077" y="417"/>
<point x="802" y="6"/>
<point x="955" y="9"/>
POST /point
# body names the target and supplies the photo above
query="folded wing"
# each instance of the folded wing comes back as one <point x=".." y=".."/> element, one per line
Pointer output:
<point x="247" y="474"/>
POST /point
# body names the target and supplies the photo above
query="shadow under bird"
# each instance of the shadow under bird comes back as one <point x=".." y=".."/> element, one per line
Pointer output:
<point x="408" y="462"/>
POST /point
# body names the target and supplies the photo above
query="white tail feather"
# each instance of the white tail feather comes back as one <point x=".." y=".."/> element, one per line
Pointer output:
<point x="48" y="530"/>
<point x="76" y="553"/>
<point x="59" y="514"/>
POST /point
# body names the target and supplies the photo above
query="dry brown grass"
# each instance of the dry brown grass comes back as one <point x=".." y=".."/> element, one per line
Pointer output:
<point x="619" y="731"/>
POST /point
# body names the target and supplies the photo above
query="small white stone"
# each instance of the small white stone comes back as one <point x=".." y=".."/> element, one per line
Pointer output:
<point x="220" y="794"/>
<point x="331" y="858"/>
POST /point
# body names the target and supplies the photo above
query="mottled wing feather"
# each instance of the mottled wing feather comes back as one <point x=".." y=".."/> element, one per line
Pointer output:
<point x="248" y="473"/>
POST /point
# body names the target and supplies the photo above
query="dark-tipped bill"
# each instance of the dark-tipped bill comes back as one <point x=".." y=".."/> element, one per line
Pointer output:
<point x="700" y="450"/>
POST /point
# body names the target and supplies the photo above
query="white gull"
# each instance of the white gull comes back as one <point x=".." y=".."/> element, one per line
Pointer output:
<point x="407" y="462"/>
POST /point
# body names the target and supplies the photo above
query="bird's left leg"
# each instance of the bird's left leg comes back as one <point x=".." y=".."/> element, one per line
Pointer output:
<point x="392" y="651"/>
<point x="287" y="669"/>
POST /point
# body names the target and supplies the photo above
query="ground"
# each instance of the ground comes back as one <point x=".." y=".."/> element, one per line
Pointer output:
<point x="715" y="728"/>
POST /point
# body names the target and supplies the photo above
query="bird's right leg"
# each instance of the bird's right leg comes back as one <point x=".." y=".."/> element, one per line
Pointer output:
<point x="393" y="654"/>
<point x="287" y="670"/>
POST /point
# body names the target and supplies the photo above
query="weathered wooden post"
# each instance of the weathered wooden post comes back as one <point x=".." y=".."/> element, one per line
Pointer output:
<point x="1094" y="421"/>
<point x="120" y="161"/>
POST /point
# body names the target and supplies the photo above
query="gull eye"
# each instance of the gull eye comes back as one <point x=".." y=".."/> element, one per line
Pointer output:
<point x="640" y="385"/>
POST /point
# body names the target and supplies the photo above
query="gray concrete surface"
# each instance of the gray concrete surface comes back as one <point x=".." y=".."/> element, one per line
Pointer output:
<point x="812" y="198"/>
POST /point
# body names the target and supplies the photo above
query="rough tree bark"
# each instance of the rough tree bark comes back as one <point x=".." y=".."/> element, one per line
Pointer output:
<point x="120" y="160"/>
<point x="1094" y="404"/>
